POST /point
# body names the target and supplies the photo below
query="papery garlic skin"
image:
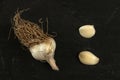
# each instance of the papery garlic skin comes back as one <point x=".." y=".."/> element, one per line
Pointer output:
<point x="88" y="58"/>
<point x="87" y="31"/>
<point x="45" y="51"/>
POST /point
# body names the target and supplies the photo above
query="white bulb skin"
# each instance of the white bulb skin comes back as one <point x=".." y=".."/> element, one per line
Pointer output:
<point x="88" y="58"/>
<point x="87" y="31"/>
<point x="45" y="51"/>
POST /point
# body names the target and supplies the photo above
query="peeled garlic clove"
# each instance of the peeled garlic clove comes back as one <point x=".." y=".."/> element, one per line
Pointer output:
<point x="87" y="31"/>
<point x="88" y="58"/>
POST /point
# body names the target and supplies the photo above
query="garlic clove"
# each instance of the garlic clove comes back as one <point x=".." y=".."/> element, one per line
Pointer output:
<point x="88" y="58"/>
<point x="87" y="31"/>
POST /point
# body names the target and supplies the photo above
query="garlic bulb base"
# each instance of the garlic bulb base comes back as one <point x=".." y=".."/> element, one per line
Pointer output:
<point x="45" y="51"/>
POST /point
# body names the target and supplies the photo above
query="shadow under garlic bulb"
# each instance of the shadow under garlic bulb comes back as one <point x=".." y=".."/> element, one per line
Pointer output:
<point x="41" y="45"/>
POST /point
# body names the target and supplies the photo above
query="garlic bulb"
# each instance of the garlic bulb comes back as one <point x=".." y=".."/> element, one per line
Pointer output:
<point x="45" y="51"/>
<point x="87" y="31"/>
<point x="41" y="44"/>
<point x="88" y="58"/>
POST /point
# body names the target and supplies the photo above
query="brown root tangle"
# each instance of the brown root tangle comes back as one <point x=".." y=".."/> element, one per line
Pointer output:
<point x="28" y="32"/>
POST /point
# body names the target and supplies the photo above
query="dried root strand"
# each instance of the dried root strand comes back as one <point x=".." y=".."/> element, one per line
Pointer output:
<point x="28" y="32"/>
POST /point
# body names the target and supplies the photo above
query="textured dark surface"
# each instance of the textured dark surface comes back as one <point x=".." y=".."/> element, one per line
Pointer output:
<point x="65" y="17"/>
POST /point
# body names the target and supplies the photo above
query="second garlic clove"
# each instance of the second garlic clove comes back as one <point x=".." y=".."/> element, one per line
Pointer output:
<point x="87" y="31"/>
<point x="88" y="58"/>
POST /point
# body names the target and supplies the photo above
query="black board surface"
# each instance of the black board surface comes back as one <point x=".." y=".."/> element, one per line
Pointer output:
<point x="65" y="18"/>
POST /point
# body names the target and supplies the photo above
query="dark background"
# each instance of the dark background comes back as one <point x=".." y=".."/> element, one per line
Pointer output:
<point x="65" y="17"/>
